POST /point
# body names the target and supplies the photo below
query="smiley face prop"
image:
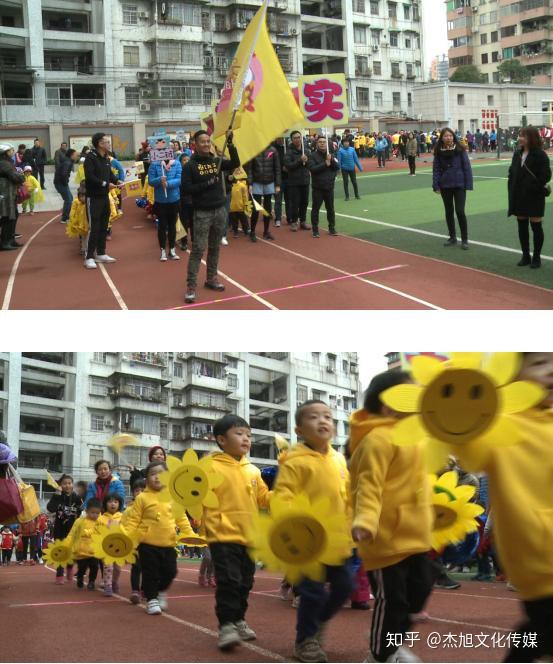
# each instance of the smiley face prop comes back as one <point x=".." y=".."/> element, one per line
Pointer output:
<point x="58" y="554"/>
<point x="189" y="483"/>
<point x="112" y="545"/>
<point x="462" y="406"/>
<point x="299" y="538"/>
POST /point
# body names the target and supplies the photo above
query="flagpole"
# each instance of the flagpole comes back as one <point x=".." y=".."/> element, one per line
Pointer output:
<point x="163" y="175"/>
<point x="302" y="145"/>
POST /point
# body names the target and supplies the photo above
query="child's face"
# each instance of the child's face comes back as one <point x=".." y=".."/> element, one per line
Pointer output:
<point x="317" y="425"/>
<point x="137" y="491"/>
<point x="67" y="485"/>
<point x="152" y="481"/>
<point x="112" y="506"/>
<point x="93" y="513"/>
<point x="236" y="442"/>
<point x="538" y="367"/>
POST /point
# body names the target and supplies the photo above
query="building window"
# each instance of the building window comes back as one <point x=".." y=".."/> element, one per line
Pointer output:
<point x="95" y="455"/>
<point x="494" y="37"/>
<point x="375" y="38"/>
<point x="394" y="39"/>
<point x="359" y="6"/>
<point x="484" y="58"/>
<point x="177" y="370"/>
<point x="495" y="56"/>
<point x="378" y="99"/>
<point x="416" y="16"/>
<point x="163" y="426"/>
<point x="130" y="15"/>
<point x="96" y="422"/>
<point x="377" y="68"/>
<point x="359" y="34"/>
<point x="345" y="366"/>
<point x="409" y="67"/>
<point x="176" y="432"/>
<point x="131" y="56"/>
<point x="317" y="395"/>
<point x="495" y="77"/>
<point x="169" y="54"/>
<point x="407" y="12"/>
<point x="409" y="99"/>
<point x="220" y="22"/>
<point x="407" y="42"/>
<point x="101" y="357"/>
<point x="316" y="358"/>
<point x="192" y="53"/>
<point x="232" y="381"/>
<point x="392" y="10"/>
<point x="131" y="96"/>
<point x="301" y="393"/>
<point x="395" y="70"/>
<point x="522" y="99"/>
<point x="396" y="100"/>
<point x="361" y="65"/>
<point x="509" y="31"/>
<point x="460" y="100"/>
<point x="483" y="40"/>
<point x="98" y="387"/>
<point x="374" y="8"/>
<point x="490" y="100"/>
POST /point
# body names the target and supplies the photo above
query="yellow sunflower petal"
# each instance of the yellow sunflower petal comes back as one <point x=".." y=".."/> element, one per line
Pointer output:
<point x="502" y="367"/>
<point x="440" y="499"/>
<point x="520" y="396"/>
<point x="467" y="360"/>
<point x="448" y="480"/>
<point x="425" y="368"/>
<point x="172" y="463"/>
<point x="465" y="492"/>
<point x="504" y="432"/>
<point x="211" y="500"/>
<point x="190" y="458"/>
<point x="408" y="431"/>
<point x="437" y="454"/>
<point x="403" y="398"/>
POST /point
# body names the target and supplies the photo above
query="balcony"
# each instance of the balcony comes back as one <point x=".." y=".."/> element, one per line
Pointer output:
<point x="397" y="75"/>
<point x="526" y="38"/>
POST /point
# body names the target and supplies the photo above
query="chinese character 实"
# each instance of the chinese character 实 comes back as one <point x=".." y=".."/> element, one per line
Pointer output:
<point x="320" y="104"/>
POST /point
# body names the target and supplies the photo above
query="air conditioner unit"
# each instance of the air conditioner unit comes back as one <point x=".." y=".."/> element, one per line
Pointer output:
<point x="375" y="48"/>
<point x="143" y="15"/>
<point x="144" y="93"/>
<point x="331" y="369"/>
<point x="145" y="75"/>
<point x="144" y="106"/>
<point x="107" y="423"/>
<point x="293" y="31"/>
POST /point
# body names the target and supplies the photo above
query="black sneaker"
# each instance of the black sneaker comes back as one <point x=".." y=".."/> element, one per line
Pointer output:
<point x="358" y="198"/>
<point x="80" y="583"/>
<point x="91" y="586"/>
<point x="450" y="242"/>
<point x="332" y="232"/>
<point x="253" y="238"/>
<point x="465" y="246"/>
<point x="525" y="260"/>
<point x="268" y="236"/>
<point x="536" y="263"/>
<point x="316" y="234"/>
<point x="447" y="584"/>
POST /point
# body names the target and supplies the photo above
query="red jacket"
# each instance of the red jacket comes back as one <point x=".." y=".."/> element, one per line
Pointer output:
<point x="7" y="541"/>
<point x="29" y="528"/>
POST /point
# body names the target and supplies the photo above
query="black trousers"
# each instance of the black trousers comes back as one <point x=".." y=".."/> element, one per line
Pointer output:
<point x="234" y="571"/>
<point x="40" y="171"/>
<point x="136" y="571"/>
<point x="524" y="236"/>
<point x="454" y="202"/>
<point x="7" y="231"/>
<point x="6" y="556"/>
<point x="321" y="196"/>
<point x="539" y="621"/>
<point x="97" y="210"/>
<point x="167" y="227"/>
<point x="298" y="197"/>
<point x="399" y="590"/>
<point x="159" y="568"/>
<point x="353" y="177"/>
<point x="267" y="203"/>
<point x="239" y="218"/>
<point x="29" y="545"/>
<point x="186" y="212"/>
<point x="412" y="164"/>
<point x="90" y="564"/>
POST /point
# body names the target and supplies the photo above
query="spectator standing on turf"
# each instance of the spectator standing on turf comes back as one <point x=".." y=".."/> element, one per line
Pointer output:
<point x="202" y="178"/>
<point x="452" y="178"/>
<point x="59" y="153"/>
<point x="348" y="160"/>
<point x="99" y="181"/>
<point x="264" y="175"/>
<point x="165" y="177"/>
<point x="61" y="181"/>
<point x="381" y="147"/>
<point x="104" y="483"/>
<point x="478" y="140"/>
<point x="411" y="149"/>
<point x="10" y="180"/>
<point x="324" y="167"/>
<point x="295" y="162"/>
<point x="39" y="157"/>
<point x="493" y="140"/>
<point x="529" y="174"/>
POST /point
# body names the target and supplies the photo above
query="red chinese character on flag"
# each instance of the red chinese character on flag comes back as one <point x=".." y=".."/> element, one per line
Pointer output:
<point x="320" y="104"/>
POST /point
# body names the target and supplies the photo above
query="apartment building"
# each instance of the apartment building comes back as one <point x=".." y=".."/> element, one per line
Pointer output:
<point x="59" y="410"/>
<point x="128" y="67"/>
<point x="439" y="68"/>
<point x="486" y="32"/>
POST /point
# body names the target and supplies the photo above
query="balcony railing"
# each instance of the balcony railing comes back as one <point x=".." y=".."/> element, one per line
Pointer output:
<point x="75" y="102"/>
<point x="12" y="101"/>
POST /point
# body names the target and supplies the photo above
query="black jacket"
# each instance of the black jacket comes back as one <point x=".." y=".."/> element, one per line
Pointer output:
<point x="526" y="192"/>
<point x="63" y="171"/>
<point x="322" y="176"/>
<point x="265" y="168"/>
<point x="280" y="151"/>
<point x="298" y="172"/>
<point x="67" y="509"/>
<point x="97" y="174"/>
<point x="39" y="155"/>
<point x="29" y="159"/>
<point x="200" y="178"/>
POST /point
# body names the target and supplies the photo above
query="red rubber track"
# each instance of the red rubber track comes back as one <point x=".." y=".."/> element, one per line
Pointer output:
<point x="62" y="623"/>
<point x="298" y="271"/>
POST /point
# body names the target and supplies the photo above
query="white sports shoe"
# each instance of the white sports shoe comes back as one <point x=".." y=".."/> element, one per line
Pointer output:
<point x="173" y="255"/>
<point x="163" y="256"/>
<point x="224" y="242"/>
<point x="162" y="600"/>
<point x="90" y="264"/>
<point x="153" y="608"/>
<point x="104" y="258"/>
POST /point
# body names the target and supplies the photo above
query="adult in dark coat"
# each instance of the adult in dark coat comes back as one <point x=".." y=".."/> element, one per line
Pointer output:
<point x="529" y="174"/>
<point x="155" y="453"/>
<point x="61" y="181"/>
<point x="265" y="176"/>
<point x="324" y="167"/>
<point x="39" y="157"/>
<point x="295" y="162"/>
<point x="10" y="179"/>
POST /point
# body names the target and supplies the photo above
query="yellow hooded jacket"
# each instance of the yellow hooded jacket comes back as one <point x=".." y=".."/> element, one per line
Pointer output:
<point x="80" y="537"/>
<point x="240" y="496"/>
<point x="153" y="522"/>
<point x="391" y="492"/>
<point x="107" y="519"/>
<point x="239" y="197"/>
<point x="318" y="476"/>
<point x="521" y="497"/>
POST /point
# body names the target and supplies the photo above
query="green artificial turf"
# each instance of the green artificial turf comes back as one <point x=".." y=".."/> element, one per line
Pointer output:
<point x="399" y="200"/>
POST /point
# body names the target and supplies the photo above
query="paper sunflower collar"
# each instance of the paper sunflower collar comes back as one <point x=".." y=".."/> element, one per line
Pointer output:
<point x="462" y="406"/>
<point x="58" y="554"/>
<point x="454" y="515"/>
<point x="113" y="545"/>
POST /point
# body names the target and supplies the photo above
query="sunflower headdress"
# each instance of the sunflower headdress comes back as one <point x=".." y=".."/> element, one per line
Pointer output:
<point x="113" y="545"/>
<point x="299" y="538"/>
<point x="462" y="406"/>
<point x="58" y="554"/>
<point x="454" y="515"/>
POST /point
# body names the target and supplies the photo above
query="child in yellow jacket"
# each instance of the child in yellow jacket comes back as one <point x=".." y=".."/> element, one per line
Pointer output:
<point x="35" y="192"/>
<point x="151" y="520"/>
<point x="77" y="226"/>
<point x="80" y="539"/>
<point x="392" y="519"/>
<point x="111" y="515"/>
<point x="521" y="497"/>
<point x="316" y="469"/>
<point x="239" y="202"/>
<point x="137" y="488"/>
<point x="227" y="527"/>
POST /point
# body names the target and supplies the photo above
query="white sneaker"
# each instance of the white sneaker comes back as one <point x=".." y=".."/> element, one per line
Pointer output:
<point x="403" y="654"/>
<point x="224" y="242"/>
<point x="104" y="258"/>
<point x="173" y="255"/>
<point x="90" y="264"/>
<point x="277" y="223"/>
<point x="245" y="631"/>
<point x="163" y="255"/>
<point x="228" y="636"/>
<point x="153" y="608"/>
<point x="162" y="599"/>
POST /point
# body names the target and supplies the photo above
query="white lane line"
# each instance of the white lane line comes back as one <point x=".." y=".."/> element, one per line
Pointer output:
<point x="397" y="227"/>
<point x="113" y="289"/>
<point x="20" y="254"/>
<point x="489" y="177"/>
<point x="492" y="628"/>
<point x="354" y="276"/>
<point x="421" y="169"/>
<point x="502" y="599"/>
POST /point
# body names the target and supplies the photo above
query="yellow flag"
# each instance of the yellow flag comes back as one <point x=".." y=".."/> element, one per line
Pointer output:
<point x="121" y="440"/>
<point x="51" y="481"/>
<point x="258" y="91"/>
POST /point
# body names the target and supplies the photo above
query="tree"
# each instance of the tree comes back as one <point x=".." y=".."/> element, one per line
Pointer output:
<point x="467" y="74"/>
<point x="512" y="71"/>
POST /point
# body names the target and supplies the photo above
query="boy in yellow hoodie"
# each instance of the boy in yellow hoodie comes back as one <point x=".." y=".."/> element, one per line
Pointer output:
<point x="315" y="468"/>
<point x="137" y="488"/>
<point x="226" y="528"/>
<point x="521" y="497"/>
<point x="239" y="202"/>
<point x="392" y="519"/>
<point x="80" y="538"/>
<point x="152" y="522"/>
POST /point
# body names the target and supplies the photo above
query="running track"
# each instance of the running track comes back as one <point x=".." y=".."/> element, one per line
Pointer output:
<point x="296" y="272"/>
<point x="62" y="623"/>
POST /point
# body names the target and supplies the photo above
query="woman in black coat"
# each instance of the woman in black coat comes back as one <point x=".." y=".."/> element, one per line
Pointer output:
<point x="528" y="177"/>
